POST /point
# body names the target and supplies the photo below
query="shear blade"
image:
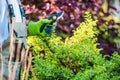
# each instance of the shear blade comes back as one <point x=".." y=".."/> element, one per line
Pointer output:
<point x="59" y="15"/>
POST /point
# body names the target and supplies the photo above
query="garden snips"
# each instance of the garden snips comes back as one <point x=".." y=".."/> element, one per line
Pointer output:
<point x="53" y="19"/>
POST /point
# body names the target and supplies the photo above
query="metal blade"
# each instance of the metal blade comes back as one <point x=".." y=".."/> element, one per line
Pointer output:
<point x="59" y="15"/>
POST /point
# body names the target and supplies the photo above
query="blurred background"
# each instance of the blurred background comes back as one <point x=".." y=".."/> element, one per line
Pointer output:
<point x="105" y="12"/>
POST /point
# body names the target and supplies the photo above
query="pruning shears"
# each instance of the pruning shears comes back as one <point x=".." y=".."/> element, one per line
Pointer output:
<point x="53" y="18"/>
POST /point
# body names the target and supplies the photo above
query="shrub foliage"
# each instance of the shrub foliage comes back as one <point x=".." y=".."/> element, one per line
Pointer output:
<point x="75" y="58"/>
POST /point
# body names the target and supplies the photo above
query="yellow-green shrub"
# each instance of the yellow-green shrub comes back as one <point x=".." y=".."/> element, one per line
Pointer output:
<point x="76" y="58"/>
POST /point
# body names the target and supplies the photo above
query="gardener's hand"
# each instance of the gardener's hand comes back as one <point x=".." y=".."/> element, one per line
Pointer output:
<point x="42" y="27"/>
<point x="45" y="26"/>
